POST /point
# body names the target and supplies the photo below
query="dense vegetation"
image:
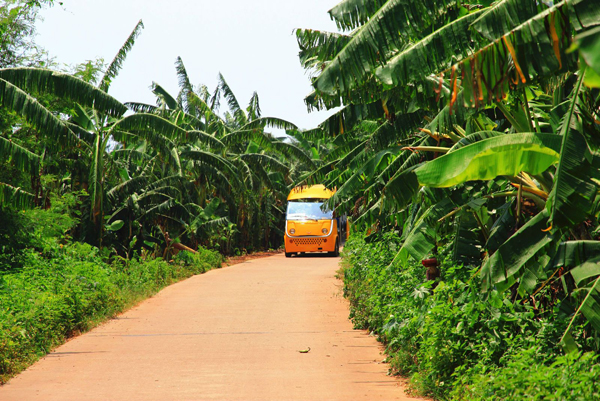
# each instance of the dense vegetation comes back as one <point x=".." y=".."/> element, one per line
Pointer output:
<point x="455" y="342"/>
<point x="66" y="287"/>
<point x="103" y="203"/>
<point x="469" y="132"/>
<point x="179" y="171"/>
<point x="467" y="140"/>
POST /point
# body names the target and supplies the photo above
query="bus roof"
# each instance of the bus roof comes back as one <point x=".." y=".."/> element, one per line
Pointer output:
<point x="310" y="192"/>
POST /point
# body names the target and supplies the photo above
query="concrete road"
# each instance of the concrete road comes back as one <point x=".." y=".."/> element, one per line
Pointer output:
<point x="230" y="334"/>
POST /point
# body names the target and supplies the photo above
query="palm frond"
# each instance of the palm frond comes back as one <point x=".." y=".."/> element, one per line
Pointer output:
<point x="117" y="63"/>
<point x="475" y="137"/>
<point x="382" y="33"/>
<point x="272" y="122"/>
<point x="206" y="138"/>
<point x="217" y="177"/>
<point x="22" y="158"/>
<point x="141" y="107"/>
<point x="15" y="197"/>
<point x="82" y="137"/>
<point x="234" y="106"/>
<point x="182" y="76"/>
<point x="213" y="223"/>
<point x="535" y="49"/>
<point x="572" y="198"/>
<point x="503" y="17"/>
<point x="211" y="159"/>
<point x="292" y="152"/>
<point x="68" y="87"/>
<point x="185" y="86"/>
<point x="350" y="14"/>
<point x="346" y="148"/>
<point x="166" y="208"/>
<point x="504" y="155"/>
<point x="268" y="162"/>
<point x="364" y="174"/>
<point x="422" y="238"/>
<point x="164" y="96"/>
<point x="204" y="108"/>
<point x="245" y="170"/>
<point x="394" y="133"/>
<point x="126" y="188"/>
<point x="175" y="181"/>
<point x="143" y="122"/>
<point x="345" y="119"/>
<point x="257" y="166"/>
<point x="436" y="52"/>
<point x="402" y="162"/>
<point x="316" y="47"/>
<point x="253" y="108"/>
<point x="157" y="131"/>
<point x="355" y="157"/>
<point x="15" y="99"/>
<point x="505" y="266"/>
<point x="244" y="136"/>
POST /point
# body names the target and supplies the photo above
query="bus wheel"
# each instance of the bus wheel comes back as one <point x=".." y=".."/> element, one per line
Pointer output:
<point x="288" y="254"/>
<point x="336" y="252"/>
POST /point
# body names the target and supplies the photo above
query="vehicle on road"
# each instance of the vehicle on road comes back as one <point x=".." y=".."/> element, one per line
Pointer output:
<point x="310" y="226"/>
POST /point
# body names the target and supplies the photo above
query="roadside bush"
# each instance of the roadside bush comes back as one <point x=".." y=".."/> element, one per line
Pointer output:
<point x="452" y="338"/>
<point x="531" y="374"/>
<point x="52" y="298"/>
<point x="38" y="230"/>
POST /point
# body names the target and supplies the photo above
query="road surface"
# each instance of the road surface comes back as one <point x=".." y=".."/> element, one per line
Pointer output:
<point x="230" y="334"/>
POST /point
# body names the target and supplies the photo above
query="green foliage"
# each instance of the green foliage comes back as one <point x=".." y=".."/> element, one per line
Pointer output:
<point x="456" y="342"/>
<point x="487" y="159"/>
<point x="531" y="374"/>
<point x="69" y="289"/>
<point x="473" y="129"/>
<point x="17" y="32"/>
<point x="36" y="230"/>
<point x="151" y="174"/>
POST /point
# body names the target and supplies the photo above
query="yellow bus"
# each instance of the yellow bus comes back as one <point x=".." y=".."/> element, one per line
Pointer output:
<point x="309" y="227"/>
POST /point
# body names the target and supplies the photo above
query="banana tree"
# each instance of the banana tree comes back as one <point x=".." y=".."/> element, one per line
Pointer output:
<point x="231" y="158"/>
<point x="476" y="93"/>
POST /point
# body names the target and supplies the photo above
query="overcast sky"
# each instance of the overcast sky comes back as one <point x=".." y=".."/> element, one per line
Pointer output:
<point x="250" y="42"/>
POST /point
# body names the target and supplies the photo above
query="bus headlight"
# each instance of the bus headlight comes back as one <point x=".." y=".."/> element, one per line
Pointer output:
<point x="292" y="231"/>
<point x="324" y="231"/>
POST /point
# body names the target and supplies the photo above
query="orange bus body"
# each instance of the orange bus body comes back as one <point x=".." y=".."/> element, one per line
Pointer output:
<point x="307" y="227"/>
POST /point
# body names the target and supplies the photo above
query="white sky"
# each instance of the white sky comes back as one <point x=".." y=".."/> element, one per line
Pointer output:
<point x="250" y="42"/>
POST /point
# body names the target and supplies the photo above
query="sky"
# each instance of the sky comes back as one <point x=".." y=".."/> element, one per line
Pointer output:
<point x="250" y="42"/>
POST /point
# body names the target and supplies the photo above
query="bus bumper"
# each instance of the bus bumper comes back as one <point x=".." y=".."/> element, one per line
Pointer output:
<point x="309" y="244"/>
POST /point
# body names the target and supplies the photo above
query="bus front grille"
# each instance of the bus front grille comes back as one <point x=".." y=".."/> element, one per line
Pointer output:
<point x="307" y="241"/>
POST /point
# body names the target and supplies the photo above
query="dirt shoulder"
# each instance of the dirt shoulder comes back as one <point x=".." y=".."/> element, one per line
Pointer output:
<point x="234" y="260"/>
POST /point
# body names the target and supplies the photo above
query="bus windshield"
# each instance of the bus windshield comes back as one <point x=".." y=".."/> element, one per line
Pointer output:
<point x="308" y="211"/>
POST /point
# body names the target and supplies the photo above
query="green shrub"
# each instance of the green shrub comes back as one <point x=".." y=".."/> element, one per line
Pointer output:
<point x="531" y="374"/>
<point x="53" y="298"/>
<point x="448" y="339"/>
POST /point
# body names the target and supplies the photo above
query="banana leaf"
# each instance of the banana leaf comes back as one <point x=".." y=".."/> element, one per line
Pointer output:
<point x="484" y="160"/>
<point x="505" y="266"/>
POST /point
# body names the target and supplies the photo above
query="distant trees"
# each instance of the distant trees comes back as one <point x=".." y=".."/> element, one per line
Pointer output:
<point x="159" y="174"/>
<point x="17" y="29"/>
